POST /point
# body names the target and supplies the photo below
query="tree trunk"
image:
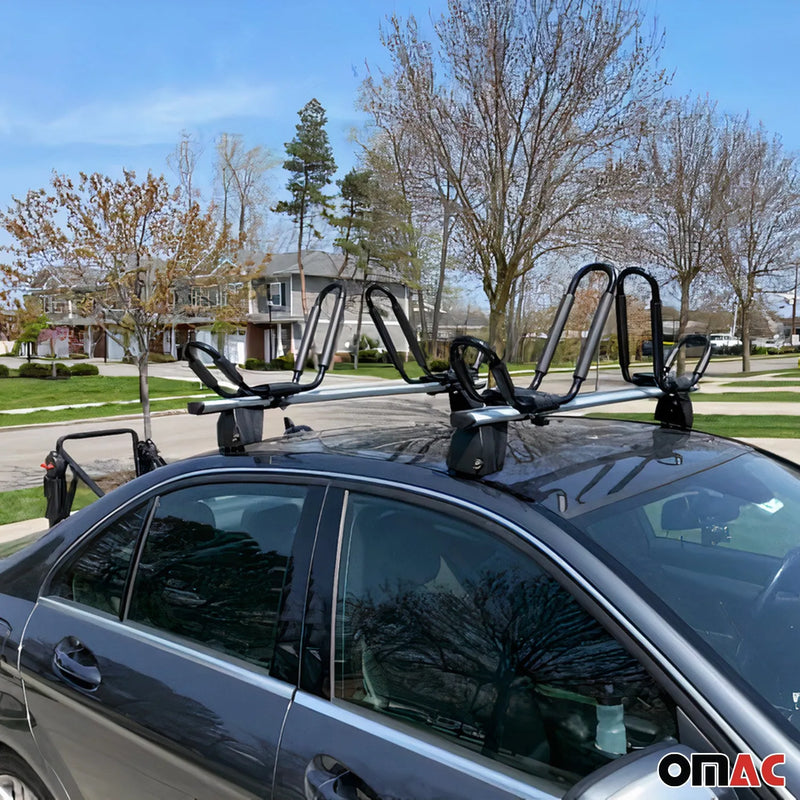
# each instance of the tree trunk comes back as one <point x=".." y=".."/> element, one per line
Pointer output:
<point x="423" y="323"/>
<point x="360" y="318"/>
<point x="303" y="298"/>
<point x="683" y="322"/>
<point x="437" y="301"/>
<point x="144" y="393"/>
<point x="745" y="337"/>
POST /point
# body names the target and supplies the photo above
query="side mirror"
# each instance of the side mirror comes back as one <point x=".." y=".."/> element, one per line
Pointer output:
<point x="636" y="776"/>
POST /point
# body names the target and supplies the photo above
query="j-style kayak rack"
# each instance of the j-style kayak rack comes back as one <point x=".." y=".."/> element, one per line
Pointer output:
<point x="480" y="413"/>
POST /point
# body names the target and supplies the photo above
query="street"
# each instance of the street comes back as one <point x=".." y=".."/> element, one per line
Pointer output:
<point x="179" y="435"/>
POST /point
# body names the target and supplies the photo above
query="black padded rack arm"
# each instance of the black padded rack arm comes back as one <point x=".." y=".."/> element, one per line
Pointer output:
<point x="408" y="333"/>
<point x="656" y="329"/>
<point x="595" y="329"/>
<point x="275" y="390"/>
<point x="329" y="346"/>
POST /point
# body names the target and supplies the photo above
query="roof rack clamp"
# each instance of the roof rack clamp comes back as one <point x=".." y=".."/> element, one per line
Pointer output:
<point x="674" y="410"/>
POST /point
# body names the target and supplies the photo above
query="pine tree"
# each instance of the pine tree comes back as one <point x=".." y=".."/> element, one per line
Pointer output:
<point x="312" y="166"/>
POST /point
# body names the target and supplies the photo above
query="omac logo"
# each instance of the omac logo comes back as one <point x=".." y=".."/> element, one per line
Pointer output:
<point x="715" y="769"/>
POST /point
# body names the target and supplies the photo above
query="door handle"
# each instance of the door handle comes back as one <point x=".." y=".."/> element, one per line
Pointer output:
<point x="327" y="779"/>
<point x="76" y="664"/>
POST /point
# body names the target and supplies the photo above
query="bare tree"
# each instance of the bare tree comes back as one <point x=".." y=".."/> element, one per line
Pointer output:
<point x="183" y="162"/>
<point x="533" y="95"/>
<point x="675" y="210"/>
<point x="242" y="176"/>
<point x="123" y="243"/>
<point x="760" y="227"/>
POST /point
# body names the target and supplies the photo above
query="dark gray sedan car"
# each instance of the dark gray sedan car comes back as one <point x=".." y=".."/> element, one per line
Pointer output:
<point x="614" y="613"/>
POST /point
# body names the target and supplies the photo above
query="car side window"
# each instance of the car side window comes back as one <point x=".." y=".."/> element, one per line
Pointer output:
<point x="444" y="624"/>
<point x="215" y="564"/>
<point x="97" y="575"/>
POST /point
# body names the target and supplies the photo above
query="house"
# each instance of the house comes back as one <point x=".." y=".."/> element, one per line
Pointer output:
<point x="275" y="319"/>
<point x="252" y="311"/>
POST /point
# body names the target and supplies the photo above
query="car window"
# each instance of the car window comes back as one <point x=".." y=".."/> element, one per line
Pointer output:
<point x="444" y="625"/>
<point x="721" y="548"/>
<point x="96" y="576"/>
<point x="215" y="563"/>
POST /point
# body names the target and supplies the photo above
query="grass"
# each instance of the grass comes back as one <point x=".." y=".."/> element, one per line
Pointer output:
<point x="70" y="414"/>
<point x="34" y="392"/>
<point x="21" y="504"/>
<point x="737" y="426"/>
<point x="758" y="384"/>
<point x="747" y="397"/>
<point x="794" y="372"/>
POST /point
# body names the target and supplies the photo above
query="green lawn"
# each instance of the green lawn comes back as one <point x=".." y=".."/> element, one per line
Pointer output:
<point x="786" y="373"/>
<point x="22" y="504"/>
<point x="766" y="384"/>
<point x="110" y="410"/>
<point x="746" y="397"/>
<point x="737" y="426"/>
<point x="34" y="392"/>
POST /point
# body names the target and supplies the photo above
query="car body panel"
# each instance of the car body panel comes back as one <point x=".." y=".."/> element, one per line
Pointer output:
<point x="178" y="720"/>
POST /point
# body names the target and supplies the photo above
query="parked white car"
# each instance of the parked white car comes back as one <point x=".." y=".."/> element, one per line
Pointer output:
<point x="721" y="341"/>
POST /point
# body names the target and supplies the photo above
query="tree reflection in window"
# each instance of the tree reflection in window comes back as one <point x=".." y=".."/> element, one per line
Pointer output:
<point x="215" y="565"/>
<point x="443" y="625"/>
<point x="96" y="576"/>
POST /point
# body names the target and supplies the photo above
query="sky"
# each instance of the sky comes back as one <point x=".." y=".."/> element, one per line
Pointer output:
<point x="101" y="86"/>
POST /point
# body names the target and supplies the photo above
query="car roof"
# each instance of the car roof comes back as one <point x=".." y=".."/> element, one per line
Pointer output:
<point x="571" y="464"/>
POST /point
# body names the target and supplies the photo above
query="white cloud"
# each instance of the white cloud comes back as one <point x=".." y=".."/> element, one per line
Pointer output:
<point x="155" y="119"/>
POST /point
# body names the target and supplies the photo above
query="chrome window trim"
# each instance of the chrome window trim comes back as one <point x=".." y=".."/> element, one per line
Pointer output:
<point x="341" y="712"/>
<point x="253" y="677"/>
<point x="335" y="588"/>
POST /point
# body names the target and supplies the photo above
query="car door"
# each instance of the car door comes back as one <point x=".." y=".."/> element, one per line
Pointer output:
<point x="456" y="667"/>
<point x="156" y="662"/>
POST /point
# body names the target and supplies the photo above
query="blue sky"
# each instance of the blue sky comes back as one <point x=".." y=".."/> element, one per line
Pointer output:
<point x="97" y="86"/>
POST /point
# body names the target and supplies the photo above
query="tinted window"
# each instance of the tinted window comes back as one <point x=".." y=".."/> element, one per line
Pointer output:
<point x="97" y="575"/>
<point x="215" y="564"/>
<point x="444" y="625"/>
<point x="721" y="548"/>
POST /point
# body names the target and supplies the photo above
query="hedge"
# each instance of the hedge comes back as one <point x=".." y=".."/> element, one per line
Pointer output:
<point x="84" y="369"/>
<point x="38" y="370"/>
<point x="3" y="371"/>
<point x="282" y="362"/>
<point x="255" y="363"/>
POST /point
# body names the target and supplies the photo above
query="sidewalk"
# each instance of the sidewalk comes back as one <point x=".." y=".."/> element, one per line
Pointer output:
<point x="19" y="530"/>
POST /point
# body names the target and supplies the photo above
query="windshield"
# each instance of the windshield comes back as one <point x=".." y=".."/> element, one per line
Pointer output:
<point x="721" y="547"/>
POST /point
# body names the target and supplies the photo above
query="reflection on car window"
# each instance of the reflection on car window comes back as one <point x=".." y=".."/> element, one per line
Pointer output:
<point x="215" y="563"/>
<point x="722" y="549"/>
<point x="96" y="576"/>
<point x="445" y="626"/>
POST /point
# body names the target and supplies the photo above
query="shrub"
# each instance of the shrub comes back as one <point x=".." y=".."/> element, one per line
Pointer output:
<point x="3" y="371"/>
<point x="161" y="358"/>
<point x="439" y="365"/>
<point x="368" y="357"/>
<point x="255" y="363"/>
<point x="84" y="369"/>
<point x="77" y="356"/>
<point x="282" y="362"/>
<point x="36" y="370"/>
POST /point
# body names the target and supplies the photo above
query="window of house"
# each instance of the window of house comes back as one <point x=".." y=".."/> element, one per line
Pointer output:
<point x="215" y="564"/>
<point x="277" y="294"/>
<point x="444" y="625"/>
<point x="204" y="296"/>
